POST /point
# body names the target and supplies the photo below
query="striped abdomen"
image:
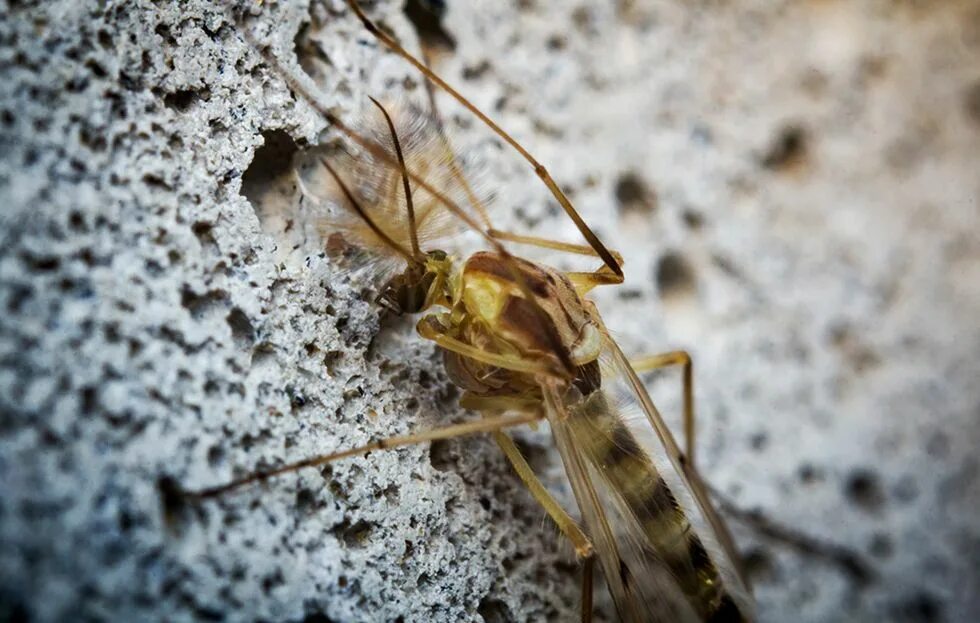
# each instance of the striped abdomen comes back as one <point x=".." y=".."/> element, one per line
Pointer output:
<point x="635" y="479"/>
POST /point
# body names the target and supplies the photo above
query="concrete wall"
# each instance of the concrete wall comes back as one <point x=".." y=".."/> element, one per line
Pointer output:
<point x="794" y="188"/>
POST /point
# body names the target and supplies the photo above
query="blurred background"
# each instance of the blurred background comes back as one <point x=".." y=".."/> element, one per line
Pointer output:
<point x="793" y="185"/>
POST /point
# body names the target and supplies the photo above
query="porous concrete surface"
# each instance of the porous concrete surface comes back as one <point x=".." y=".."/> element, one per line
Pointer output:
<point x="794" y="187"/>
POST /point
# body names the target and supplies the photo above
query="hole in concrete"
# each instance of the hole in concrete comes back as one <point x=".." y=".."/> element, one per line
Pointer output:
<point x="475" y="72"/>
<point x="273" y="159"/>
<point x="263" y="354"/>
<point x="331" y="359"/>
<point x="584" y="20"/>
<point x="353" y="535"/>
<point x="184" y="99"/>
<point x="808" y="474"/>
<point x="556" y="42"/>
<point x="172" y="501"/>
<point x="305" y="500"/>
<point x="693" y="219"/>
<point x="88" y="137"/>
<point x="859" y="356"/>
<point x="309" y="53"/>
<point x="240" y="325"/>
<point x="674" y="276"/>
<point x="216" y="455"/>
<point x="90" y="399"/>
<point x="296" y="398"/>
<point x="633" y="194"/>
<point x="971" y="102"/>
<point x="426" y="16"/>
<point x="273" y="580"/>
<point x="200" y="305"/>
<point x="787" y="149"/>
<point x="864" y="490"/>
<point x="204" y="232"/>
<point x="493" y="610"/>
<point x="441" y="455"/>
<point x="881" y="545"/>
<point x="920" y="608"/>
<point x="759" y="565"/>
<point x="40" y="263"/>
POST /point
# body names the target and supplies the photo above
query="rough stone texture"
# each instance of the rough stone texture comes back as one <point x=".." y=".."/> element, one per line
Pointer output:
<point x="794" y="188"/>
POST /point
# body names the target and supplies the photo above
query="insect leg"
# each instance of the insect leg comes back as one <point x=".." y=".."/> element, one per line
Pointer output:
<point x="428" y="329"/>
<point x="683" y="359"/>
<point x="587" y="569"/>
<point x="585" y="282"/>
<point x="485" y="425"/>
<point x="568" y="526"/>
<point x="547" y="243"/>
<point x="454" y="168"/>
<point x="539" y="169"/>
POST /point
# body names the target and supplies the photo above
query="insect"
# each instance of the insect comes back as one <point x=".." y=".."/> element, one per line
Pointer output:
<point x="525" y="345"/>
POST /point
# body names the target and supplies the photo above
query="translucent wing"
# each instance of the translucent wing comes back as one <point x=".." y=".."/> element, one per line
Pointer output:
<point x="654" y="436"/>
<point x="641" y="591"/>
<point x="655" y="535"/>
<point x="376" y="184"/>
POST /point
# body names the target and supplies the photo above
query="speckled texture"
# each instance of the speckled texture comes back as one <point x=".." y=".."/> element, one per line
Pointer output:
<point x="794" y="188"/>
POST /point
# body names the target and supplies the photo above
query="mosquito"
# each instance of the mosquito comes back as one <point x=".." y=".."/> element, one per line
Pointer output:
<point x="525" y="345"/>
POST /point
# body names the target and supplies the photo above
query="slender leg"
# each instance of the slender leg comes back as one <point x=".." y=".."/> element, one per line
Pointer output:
<point x="547" y="243"/>
<point x="498" y="404"/>
<point x="587" y="568"/>
<point x="666" y="360"/>
<point x="568" y="526"/>
<point x="454" y="167"/>
<point x="583" y="281"/>
<point x="427" y="328"/>
<point x="485" y="425"/>
<point x="539" y="169"/>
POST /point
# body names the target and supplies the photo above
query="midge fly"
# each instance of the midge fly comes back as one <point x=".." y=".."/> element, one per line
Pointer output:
<point x="524" y="344"/>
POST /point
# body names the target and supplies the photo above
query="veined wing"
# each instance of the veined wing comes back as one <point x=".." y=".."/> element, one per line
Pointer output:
<point x="654" y="533"/>
<point x="630" y="388"/>
<point x="642" y="591"/>
<point x="376" y="184"/>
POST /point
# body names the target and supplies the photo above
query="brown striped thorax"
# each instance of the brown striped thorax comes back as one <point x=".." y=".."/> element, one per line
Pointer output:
<point x="486" y="307"/>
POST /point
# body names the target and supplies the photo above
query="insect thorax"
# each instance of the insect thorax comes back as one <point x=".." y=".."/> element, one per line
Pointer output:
<point x="491" y="312"/>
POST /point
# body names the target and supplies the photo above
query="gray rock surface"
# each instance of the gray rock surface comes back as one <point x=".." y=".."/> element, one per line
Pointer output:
<point x="794" y="186"/>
